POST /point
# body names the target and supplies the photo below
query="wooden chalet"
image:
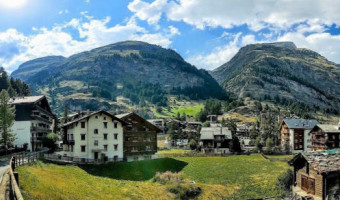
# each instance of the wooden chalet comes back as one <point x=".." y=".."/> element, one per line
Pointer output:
<point x="316" y="175"/>
<point x="140" y="137"/>
<point x="325" y="136"/>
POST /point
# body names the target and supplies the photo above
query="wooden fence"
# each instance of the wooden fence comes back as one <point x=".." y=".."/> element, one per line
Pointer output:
<point x="15" y="161"/>
<point x="173" y="155"/>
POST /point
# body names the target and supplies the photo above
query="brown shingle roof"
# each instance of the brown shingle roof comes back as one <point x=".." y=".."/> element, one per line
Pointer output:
<point x="321" y="161"/>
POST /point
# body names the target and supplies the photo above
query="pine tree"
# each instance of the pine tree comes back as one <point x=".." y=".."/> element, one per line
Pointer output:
<point x="7" y="114"/>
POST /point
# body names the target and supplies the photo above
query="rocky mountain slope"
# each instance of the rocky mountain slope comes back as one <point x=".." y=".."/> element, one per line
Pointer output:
<point x="282" y="72"/>
<point x="137" y="72"/>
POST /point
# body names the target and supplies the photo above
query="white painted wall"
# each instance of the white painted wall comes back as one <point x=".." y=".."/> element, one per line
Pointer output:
<point x="90" y="125"/>
<point x="307" y="141"/>
<point x="22" y="129"/>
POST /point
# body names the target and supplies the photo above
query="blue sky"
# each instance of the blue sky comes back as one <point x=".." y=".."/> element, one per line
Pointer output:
<point x="206" y="33"/>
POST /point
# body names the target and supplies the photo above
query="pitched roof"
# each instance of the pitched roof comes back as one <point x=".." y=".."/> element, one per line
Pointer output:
<point x="27" y="99"/>
<point x="300" y="123"/>
<point x="329" y="128"/>
<point x="208" y="133"/>
<point x="321" y="161"/>
<point x="123" y="116"/>
<point x="93" y="113"/>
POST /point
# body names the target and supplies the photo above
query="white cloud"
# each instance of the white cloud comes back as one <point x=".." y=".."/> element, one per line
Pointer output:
<point x="151" y="12"/>
<point x="324" y="43"/>
<point x="63" y="12"/>
<point x="58" y="41"/>
<point x="257" y="14"/>
<point x="217" y="57"/>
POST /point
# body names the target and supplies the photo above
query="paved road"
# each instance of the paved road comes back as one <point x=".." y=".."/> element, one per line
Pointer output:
<point x="3" y="168"/>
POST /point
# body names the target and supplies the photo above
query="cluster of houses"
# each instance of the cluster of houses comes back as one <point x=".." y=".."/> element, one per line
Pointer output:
<point x="95" y="136"/>
<point x="102" y="136"/>
<point x="317" y="161"/>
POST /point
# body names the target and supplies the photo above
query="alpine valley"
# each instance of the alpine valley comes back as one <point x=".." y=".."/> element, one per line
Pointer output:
<point x="133" y="73"/>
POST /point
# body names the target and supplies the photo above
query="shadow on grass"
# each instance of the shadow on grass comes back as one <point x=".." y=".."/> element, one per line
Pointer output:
<point x="136" y="170"/>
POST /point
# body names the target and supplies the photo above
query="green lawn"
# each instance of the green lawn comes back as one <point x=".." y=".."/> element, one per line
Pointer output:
<point x="172" y="151"/>
<point x="136" y="171"/>
<point x="250" y="176"/>
<point x="234" y="177"/>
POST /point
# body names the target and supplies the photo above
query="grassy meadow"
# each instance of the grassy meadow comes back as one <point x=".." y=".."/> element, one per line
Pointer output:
<point x="234" y="177"/>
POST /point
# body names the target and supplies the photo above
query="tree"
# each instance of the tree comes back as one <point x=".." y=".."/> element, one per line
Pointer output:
<point x="50" y="140"/>
<point x="269" y="144"/>
<point x="258" y="144"/>
<point x="183" y="117"/>
<point x="234" y="145"/>
<point x="193" y="144"/>
<point x="7" y="114"/>
<point x="231" y="126"/>
<point x="65" y="115"/>
<point x="178" y="116"/>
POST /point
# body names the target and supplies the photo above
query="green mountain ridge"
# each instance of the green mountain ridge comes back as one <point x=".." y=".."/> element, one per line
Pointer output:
<point x="139" y="71"/>
<point x="282" y="72"/>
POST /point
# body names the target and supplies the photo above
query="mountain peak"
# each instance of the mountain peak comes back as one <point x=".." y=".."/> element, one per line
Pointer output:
<point x="286" y="44"/>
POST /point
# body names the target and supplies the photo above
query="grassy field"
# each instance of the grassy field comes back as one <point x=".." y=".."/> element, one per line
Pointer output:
<point x="235" y="177"/>
<point x="250" y="176"/>
<point x="172" y="151"/>
<point x="135" y="171"/>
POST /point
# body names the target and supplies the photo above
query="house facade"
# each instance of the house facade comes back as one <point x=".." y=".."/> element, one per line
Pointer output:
<point x="316" y="175"/>
<point x="215" y="139"/>
<point x="33" y="120"/>
<point x="140" y="137"/>
<point x="325" y="136"/>
<point x="295" y="134"/>
<point x="96" y="136"/>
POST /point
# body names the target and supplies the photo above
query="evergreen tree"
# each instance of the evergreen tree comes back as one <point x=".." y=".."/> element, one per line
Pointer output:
<point x="65" y="115"/>
<point x="7" y="114"/>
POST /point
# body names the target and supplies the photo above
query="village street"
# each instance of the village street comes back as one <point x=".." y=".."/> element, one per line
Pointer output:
<point x="3" y="168"/>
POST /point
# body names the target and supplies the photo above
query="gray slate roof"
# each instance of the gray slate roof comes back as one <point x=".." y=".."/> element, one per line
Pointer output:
<point x="321" y="161"/>
<point x="208" y="133"/>
<point x="329" y="128"/>
<point x="300" y="123"/>
<point x="24" y="100"/>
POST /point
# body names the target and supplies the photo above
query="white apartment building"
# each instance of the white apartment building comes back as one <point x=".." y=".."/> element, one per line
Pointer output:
<point x="94" y="136"/>
<point x="33" y="120"/>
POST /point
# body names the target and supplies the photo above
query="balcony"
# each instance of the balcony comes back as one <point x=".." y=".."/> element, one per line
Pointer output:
<point x="36" y="139"/>
<point x="40" y="129"/>
<point x="40" y="118"/>
<point x="69" y="142"/>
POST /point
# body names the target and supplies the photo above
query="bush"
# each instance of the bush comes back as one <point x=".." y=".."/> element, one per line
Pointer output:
<point x="178" y="185"/>
<point x="285" y="180"/>
<point x="49" y="141"/>
<point x="193" y="144"/>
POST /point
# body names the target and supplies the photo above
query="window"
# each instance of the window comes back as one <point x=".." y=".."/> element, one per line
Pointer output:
<point x="83" y="148"/>
<point x="104" y="118"/>
<point x="95" y="131"/>
<point x="115" y="136"/>
<point x="105" y="136"/>
<point x="82" y="136"/>
<point x="127" y="139"/>
<point x="308" y="184"/>
<point x="105" y="147"/>
<point x="148" y="147"/>
<point x="115" y="158"/>
<point x="116" y="125"/>
<point x="96" y="143"/>
<point x="96" y="117"/>
<point x="105" y="124"/>
<point x="115" y="147"/>
<point x="134" y="149"/>
<point x="82" y="124"/>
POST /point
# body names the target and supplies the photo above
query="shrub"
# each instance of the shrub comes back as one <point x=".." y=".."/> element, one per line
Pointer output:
<point x="168" y="177"/>
<point x="285" y="180"/>
<point x="178" y="185"/>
